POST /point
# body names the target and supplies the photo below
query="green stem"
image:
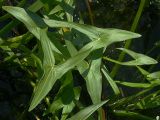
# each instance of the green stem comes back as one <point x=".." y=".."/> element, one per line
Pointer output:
<point x="128" y="43"/>
<point x="90" y="12"/>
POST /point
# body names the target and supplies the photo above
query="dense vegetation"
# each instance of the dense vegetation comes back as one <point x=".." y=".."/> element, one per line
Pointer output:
<point x="79" y="60"/>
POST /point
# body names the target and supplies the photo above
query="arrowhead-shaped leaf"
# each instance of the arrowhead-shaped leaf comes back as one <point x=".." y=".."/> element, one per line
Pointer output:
<point x="140" y="59"/>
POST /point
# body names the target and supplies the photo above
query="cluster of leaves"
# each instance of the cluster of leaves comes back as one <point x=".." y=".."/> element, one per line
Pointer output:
<point x="65" y="64"/>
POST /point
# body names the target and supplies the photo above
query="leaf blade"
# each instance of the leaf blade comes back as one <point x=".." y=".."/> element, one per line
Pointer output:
<point x="86" y="112"/>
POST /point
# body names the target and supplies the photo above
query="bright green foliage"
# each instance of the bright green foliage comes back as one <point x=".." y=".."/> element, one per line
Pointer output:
<point x="64" y="47"/>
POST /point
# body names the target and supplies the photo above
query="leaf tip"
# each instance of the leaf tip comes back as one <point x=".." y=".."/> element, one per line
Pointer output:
<point x="31" y="107"/>
<point x="5" y="7"/>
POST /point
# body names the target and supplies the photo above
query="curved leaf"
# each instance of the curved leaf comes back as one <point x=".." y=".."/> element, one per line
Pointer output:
<point x="54" y="73"/>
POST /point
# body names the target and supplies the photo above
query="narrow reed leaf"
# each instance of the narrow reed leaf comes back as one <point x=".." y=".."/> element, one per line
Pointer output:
<point x="110" y="80"/>
<point x="86" y="112"/>
<point x="52" y="74"/>
<point x="135" y="85"/>
<point x="131" y="115"/>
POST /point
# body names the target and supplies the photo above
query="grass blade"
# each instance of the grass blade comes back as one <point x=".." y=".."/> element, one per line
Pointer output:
<point x="135" y="85"/>
<point x="131" y="115"/>
<point x="110" y="80"/>
<point x="86" y="112"/>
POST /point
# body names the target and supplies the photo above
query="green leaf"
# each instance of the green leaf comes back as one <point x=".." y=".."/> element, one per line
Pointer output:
<point x="82" y="66"/>
<point x="55" y="9"/>
<point x="148" y="104"/>
<point x="135" y="85"/>
<point x="144" y="72"/>
<point x="33" y="22"/>
<point x="131" y="115"/>
<point x="131" y="99"/>
<point x="100" y="37"/>
<point x="110" y="80"/>
<point x="93" y="77"/>
<point x="27" y="17"/>
<point x="68" y="108"/>
<point x="49" y="59"/>
<point x="49" y="78"/>
<point x="154" y="78"/>
<point x="68" y="7"/>
<point x="155" y="75"/>
<point x="86" y="112"/>
<point x="150" y="101"/>
<point x="37" y="5"/>
<point x="72" y="62"/>
<point x="94" y="81"/>
<point x="140" y="59"/>
<point x="52" y="74"/>
<point x="64" y="96"/>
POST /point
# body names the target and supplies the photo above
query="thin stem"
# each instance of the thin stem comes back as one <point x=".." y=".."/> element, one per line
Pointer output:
<point x="90" y="12"/>
<point x="128" y="43"/>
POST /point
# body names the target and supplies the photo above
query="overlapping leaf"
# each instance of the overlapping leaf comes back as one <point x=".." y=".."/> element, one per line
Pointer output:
<point x="93" y="77"/>
<point x="49" y="78"/>
<point x="51" y="74"/>
<point x="55" y="73"/>
<point x="94" y="81"/>
<point x="100" y="38"/>
<point x="32" y="21"/>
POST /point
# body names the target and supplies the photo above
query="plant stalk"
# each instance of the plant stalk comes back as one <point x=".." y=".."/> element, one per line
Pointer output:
<point x="90" y="12"/>
<point x="128" y="42"/>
